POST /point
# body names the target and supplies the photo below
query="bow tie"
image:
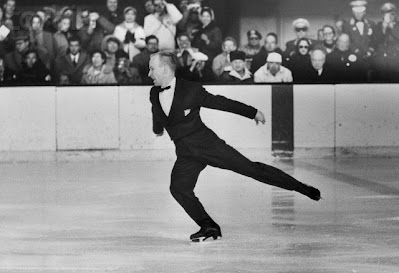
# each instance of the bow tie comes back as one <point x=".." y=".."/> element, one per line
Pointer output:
<point x="165" y="88"/>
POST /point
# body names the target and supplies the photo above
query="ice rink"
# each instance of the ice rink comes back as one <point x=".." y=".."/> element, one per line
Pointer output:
<point x="120" y="217"/>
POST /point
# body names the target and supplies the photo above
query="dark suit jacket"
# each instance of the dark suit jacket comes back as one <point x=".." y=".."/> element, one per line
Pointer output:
<point x="184" y="117"/>
<point x="64" y="65"/>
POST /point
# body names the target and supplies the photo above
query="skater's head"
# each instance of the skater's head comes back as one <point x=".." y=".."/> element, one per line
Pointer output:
<point x="162" y="68"/>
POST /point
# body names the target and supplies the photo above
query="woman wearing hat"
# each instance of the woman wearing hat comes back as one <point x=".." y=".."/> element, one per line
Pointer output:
<point x="130" y="33"/>
<point x="109" y="46"/>
<point x="239" y="72"/>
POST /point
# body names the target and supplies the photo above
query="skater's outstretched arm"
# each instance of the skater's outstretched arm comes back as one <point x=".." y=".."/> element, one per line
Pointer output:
<point x="218" y="102"/>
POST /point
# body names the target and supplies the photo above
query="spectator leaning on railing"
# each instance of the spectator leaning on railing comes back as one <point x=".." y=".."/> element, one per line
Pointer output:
<point x="271" y="45"/>
<point x="239" y="72"/>
<point x="98" y="72"/>
<point x="273" y="71"/>
<point x="347" y="65"/>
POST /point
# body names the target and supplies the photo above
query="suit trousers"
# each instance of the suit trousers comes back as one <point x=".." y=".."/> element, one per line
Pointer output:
<point x="193" y="157"/>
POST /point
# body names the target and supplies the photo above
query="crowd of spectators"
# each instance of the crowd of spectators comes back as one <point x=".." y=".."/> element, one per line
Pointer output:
<point x="109" y="46"/>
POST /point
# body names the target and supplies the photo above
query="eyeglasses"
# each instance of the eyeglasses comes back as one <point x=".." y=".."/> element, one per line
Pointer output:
<point x="304" y="29"/>
<point x="254" y="38"/>
<point x="328" y="33"/>
<point x="304" y="46"/>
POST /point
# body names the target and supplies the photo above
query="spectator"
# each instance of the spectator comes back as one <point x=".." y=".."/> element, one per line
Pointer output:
<point x="62" y="35"/>
<point x="190" y="21"/>
<point x="130" y="33"/>
<point x="48" y="18"/>
<point x="185" y="51"/>
<point x="386" y="41"/>
<point x="33" y="71"/>
<point x="301" y="27"/>
<point x="270" y="46"/>
<point x="98" y="72"/>
<point x="41" y="40"/>
<point x="6" y="41"/>
<point x="163" y="24"/>
<point x="273" y="71"/>
<point x="5" y="76"/>
<point x="12" y="15"/>
<point x="113" y="15"/>
<point x="72" y="62"/>
<point x="344" y="62"/>
<point x="64" y="79"/>
<point x="109" y="46"/>
<point x="320" y="73"/>
<point x="91" y="33"/>
<point x="328" y="43"/>
<point x="299" y="63"/>
<point x="338" y="26"/>
<point x="253" y="47"/>
<point x="360" y="30"/>
<point x="68" y="12"/>
<point x="222" y="61"/>
<point x="141" y="60"/>
<point x="149" y="7"/>
<point x="208" y="39"/>
<point x="124" y="73"/>
<point x="239" y="72"/>
<point x="14" y="59"/>
<point x="198" y="71"/>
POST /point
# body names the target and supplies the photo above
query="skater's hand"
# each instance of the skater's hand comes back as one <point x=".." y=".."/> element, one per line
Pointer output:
<point x="259" y="118"/>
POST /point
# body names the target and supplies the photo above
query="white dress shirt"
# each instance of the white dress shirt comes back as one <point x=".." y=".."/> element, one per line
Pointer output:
<point x="360" y="27"/>
<point x="166" y="97"/>
<point x="75" y="57"/>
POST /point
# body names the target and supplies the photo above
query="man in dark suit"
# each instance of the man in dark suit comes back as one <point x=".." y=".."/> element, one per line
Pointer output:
<point x="176" y="107"/>
<point x="73" y="62"/>
<point x="360" y="30"/>
<point x="320" y="72"/>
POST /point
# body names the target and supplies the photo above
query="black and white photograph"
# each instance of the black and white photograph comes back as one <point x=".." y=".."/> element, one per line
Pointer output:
<point x="212" y="136"/>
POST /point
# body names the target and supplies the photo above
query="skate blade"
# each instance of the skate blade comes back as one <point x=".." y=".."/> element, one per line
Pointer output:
<point x="205" y="239"/>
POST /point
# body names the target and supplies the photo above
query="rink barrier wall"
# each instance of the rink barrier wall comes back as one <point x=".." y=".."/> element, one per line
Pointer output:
<point x="114" y="122"/>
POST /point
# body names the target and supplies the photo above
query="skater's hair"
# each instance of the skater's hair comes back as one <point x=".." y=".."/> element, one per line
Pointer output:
<point x="167" y="58"/>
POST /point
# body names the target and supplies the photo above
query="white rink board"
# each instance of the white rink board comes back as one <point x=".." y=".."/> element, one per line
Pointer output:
<point x="136" y="121"/>
<point x="314" y="118"/>
<point x="87" y="118"/>
<point x="27" y="119"/>
<point x="367" y="115"/>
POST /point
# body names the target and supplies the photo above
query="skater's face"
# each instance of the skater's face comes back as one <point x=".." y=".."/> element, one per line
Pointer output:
<point x="156" y="70"/>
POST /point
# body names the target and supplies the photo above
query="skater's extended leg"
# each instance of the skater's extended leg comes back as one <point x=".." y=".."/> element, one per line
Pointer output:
<point x="226" y="157"/>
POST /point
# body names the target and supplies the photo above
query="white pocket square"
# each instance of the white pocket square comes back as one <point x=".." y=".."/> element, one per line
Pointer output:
<point x="187" y="112"/>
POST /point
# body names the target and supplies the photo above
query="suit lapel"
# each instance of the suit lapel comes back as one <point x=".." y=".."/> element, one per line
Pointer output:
<point x="177" y="101"/>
